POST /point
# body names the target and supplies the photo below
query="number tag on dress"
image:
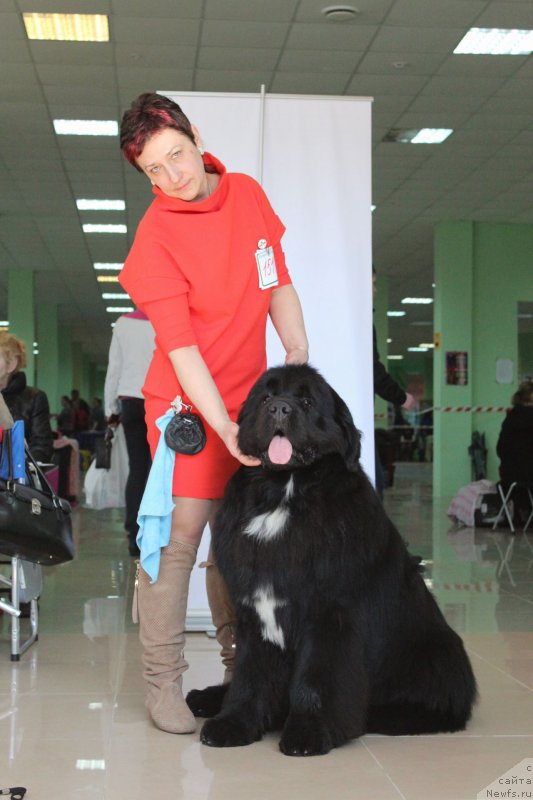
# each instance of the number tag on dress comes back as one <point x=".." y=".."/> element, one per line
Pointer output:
<point x="266" y="266"/>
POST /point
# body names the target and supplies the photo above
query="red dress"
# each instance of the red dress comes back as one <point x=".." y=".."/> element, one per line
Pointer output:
<point x="192" y="269"/>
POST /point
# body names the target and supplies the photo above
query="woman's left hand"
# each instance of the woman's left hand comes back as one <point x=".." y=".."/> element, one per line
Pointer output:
<point x="230" y="438"/>
<point x="298" y="355"/>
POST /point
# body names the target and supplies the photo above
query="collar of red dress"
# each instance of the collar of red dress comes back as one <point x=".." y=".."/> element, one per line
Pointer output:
<point x="211" y="203"/>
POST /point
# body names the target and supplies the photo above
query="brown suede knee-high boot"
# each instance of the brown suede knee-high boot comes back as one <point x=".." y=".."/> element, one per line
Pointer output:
<point x="162" y="608"/>
<point x="222" y="613"/>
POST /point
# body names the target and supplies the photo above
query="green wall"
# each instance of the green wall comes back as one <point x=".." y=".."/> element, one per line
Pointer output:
<point x="482" y="271"/>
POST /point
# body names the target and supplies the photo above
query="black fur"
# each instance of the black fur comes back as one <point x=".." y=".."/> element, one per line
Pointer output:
<point x="365" y="647"/>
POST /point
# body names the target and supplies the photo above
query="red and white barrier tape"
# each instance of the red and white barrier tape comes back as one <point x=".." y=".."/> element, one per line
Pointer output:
<point x="447" y="409"/>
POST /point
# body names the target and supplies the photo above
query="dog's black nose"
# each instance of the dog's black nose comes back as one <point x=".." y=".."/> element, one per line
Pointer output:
<point x="279" y="408"/>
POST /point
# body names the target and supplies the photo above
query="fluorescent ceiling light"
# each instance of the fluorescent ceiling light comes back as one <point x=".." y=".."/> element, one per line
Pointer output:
<point x="372" y="208"/>
<point x="396" y="313"/>
<point x="417" y="349"/>
<point x="119" y="309"/>
<point x="88" y="228"/>
<point x="496" y="42"/>
<point x="389" y="341"/>
<point x="418" y="301"/>
<point x="100" y="205"/>
<point x="394" y="358"/>
<point x="431" y="135"/>
<point x="67" y="27"/>
<point x="4" y="322"/>
<point x="108" y="265"/>
<point x="115" y="296"/>
<point x="417" y="135"/>
<point x="86" y="127"/>
<point x="427" y="345"/>
<point x="107" y="278"/>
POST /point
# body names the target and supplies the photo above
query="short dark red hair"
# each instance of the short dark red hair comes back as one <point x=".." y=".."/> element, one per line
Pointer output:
<point x="147" y="115"/>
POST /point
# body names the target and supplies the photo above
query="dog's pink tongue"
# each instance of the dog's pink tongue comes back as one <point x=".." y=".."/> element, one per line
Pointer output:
<point x="280" y="450"/>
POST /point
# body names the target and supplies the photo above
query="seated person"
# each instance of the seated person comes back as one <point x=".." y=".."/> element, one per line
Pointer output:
<point x="25" y="402"/>
<point x="515" y="446"/>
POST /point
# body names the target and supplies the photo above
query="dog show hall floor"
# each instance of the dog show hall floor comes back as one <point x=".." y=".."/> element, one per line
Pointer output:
<point x="73" y="724"/>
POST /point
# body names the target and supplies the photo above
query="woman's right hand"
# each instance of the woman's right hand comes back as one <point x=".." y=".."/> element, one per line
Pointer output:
<point x="229" y="435"/>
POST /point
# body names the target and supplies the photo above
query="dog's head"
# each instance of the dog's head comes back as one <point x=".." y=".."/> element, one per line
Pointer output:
<point x="292" y="417"/>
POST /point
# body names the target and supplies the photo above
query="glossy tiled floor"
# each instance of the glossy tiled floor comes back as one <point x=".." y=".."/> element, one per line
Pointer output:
<point x="73" y="725"/>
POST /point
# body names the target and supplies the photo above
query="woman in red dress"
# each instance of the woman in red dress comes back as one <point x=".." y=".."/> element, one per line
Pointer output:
<point x="207" y="268"/>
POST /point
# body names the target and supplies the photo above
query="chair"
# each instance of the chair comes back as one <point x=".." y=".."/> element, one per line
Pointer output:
<point x="506" y="497"/>
<point x="25" y="585"/>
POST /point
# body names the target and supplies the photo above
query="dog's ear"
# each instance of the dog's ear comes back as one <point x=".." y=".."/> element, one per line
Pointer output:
<point x="351" y="436"/>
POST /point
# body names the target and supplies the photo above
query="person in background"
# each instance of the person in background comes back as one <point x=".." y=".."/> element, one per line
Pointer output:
<point x="389" y="390"/>
<point x="97" y="418"/>
<point x="130" y="353"/>
<point x="207" y="267"/>
<point x="82" y="411"/>
<point x="23" y="401"/>
<point x="515" y="448"/>
<point x="65" y="418"/>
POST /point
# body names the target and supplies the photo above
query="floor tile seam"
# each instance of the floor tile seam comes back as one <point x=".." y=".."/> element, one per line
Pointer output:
<point x="499" y="669"/>
<point x="385" y="772"/>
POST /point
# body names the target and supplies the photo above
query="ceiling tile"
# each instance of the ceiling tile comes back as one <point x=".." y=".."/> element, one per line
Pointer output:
<point x="420" y="40"/>
<point x="231" y="58"/>
<point x="318" y="60"/>
<point x="239" y="10"/>
<point x="156" y="31"/>
<point x="222" y="33"/>
<point x="424" y="14"/>
<point x="306" y="36"/>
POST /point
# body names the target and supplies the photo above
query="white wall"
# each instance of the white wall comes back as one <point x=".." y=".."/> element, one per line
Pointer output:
<point x="315" y="157"/>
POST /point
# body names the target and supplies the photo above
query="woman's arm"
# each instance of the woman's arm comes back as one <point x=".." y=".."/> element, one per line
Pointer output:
<point x="286" y="315"/>
<point x="200" y="388"/>
<point x="39" y="434"/>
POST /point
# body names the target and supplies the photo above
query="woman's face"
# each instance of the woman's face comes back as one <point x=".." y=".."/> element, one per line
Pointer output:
<point x="8" y="365"/>
<point x="173" y="163"/>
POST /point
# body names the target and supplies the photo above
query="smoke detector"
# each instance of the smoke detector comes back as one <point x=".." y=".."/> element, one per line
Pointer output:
<point x="340" y="13"/>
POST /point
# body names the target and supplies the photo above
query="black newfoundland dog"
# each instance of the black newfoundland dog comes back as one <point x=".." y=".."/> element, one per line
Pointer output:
<point x="337" y="633"/>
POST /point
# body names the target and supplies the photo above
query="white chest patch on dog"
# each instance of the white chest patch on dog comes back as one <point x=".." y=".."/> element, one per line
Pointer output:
<point x="266" y="526"/>
<point x="265" y="605"/>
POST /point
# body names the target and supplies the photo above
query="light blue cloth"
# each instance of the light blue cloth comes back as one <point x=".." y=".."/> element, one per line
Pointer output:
<point x="155" y="512"/>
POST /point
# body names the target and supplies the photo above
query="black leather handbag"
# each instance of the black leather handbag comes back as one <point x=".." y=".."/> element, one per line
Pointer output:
<point x="35" y="524"/>
<point x="185" y="433"/>
<point x="102" y="453"/>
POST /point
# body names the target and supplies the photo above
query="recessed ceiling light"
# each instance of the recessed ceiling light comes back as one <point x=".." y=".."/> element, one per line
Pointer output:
<point x="417" y="349"/>
<point x="417" y="135"/>
<point x="394" y="358"/>
<point x="340" y="13"/>
<point x="119" y="309"/>
<point x="417" y="301"/>
<point x="86" y="127"/>
<point x="108" y="265"/>
<point x="107" y="278"/>
<point x="67" y="27"/>
<point x="104" y="228"/>
<point x="372" y="208"/>
<point x="427" y="345"/>
<point x="101" y="205"/>
<point x="496" y="42"/>
<point x="396" y="313"/>
<point x="115" y="296"/>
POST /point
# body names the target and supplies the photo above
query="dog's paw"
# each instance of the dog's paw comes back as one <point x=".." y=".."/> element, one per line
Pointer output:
<point x="207" y="702"/>
<point x="227" y="732"/>
<point x="309" y="738"/>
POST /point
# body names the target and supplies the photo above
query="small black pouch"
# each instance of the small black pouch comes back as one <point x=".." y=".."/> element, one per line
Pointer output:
<point x="185" y="433"/>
